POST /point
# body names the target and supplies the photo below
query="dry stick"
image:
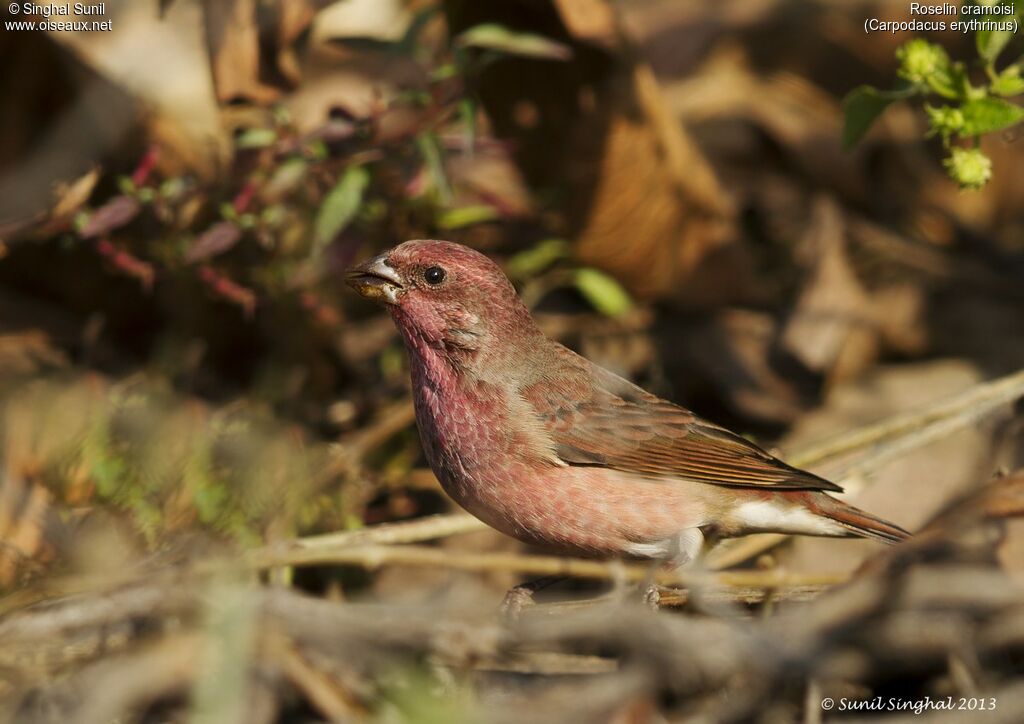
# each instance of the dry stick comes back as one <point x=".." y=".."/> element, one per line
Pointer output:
<point x="894" y="437"/>
<point x="375" y="556"/>
<point x="323" y="692"/>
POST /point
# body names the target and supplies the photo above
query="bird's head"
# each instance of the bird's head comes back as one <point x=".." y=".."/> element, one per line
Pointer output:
<point x="444" y="294"/>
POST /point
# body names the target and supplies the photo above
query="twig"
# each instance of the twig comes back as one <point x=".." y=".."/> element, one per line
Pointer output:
<point x="966" y="407"/>
<point x="414" y="531"/>
<point x="325" y="694"/>
<point x="893" y="437"/>
<point x="375" y="556"/>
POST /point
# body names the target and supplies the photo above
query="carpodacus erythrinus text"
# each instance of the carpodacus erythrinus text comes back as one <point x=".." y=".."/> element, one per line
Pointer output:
<point x="547" y="447"/>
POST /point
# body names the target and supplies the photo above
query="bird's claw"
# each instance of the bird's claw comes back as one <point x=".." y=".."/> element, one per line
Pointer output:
<point x="514" y="601"/>
<point x="652" y="596"/>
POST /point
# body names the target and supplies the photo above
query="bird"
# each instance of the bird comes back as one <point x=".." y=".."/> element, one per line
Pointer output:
<point x="546" y="446"/>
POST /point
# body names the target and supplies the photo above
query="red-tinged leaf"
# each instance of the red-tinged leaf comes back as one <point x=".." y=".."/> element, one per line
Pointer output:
<point x="216" y="240"/>
<point x="229" y="290"/>
<point x="141" y="173"/>
<point x="126" y="263"/>
<point x="112" y="215"/>
<point x="243" y="198"/>
<point x="322" y="313"/>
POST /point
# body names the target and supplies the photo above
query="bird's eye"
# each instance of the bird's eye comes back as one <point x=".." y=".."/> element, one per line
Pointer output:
<point x="434" y="275"/>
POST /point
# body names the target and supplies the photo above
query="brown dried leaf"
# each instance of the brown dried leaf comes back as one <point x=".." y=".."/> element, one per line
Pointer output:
<point x="592" y="21"/>
<point x="72" y="196"/>
<point x="232" y="36"/>
<point x="831" y="331"/>
<point x="23" y="507"/>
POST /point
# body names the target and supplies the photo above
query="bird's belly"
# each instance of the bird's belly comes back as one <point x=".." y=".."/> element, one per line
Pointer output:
<point x="587" y="511"/>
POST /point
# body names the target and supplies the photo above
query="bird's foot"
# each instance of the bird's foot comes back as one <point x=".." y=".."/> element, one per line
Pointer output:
<point x="514" y="602"/>
<point x="522" y="595"/>
<point x="651" y="596"/>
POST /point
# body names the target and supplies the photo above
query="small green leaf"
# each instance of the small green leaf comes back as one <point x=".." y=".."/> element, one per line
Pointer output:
<point x="991" y="43"/>
<point x="256" y="138"/>
<point x="1009" y="83"/>
<point x="227" y="211"/>
<point x="466" y="216"/>
<point x="861" y="108"/>
<point x="430" y="149"/>
<point x="492" y="36"/>
<point x="125" y="185"/>
<point x="986" y="115"/>
<point x="467" y="114"/>
<point x="340" y="206"/>
<point x="969" y="167"/>
<point x="533" y="261"/>
<point x="603" y="292"/>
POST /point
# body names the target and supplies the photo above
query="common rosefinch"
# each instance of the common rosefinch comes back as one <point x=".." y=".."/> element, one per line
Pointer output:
<point x="551" y="449"/>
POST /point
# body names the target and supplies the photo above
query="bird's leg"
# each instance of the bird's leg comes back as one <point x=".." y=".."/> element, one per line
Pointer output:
<point x="686" y="550"/>
<point x="649" y="589"/>
<point x="522" y="595"/>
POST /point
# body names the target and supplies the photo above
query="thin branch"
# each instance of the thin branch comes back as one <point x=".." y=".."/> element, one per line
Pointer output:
<point x="375" y="556"/>
<point x="413" y="531"/>
<point x="960" y="410"/>
<point x="890" y="438"/>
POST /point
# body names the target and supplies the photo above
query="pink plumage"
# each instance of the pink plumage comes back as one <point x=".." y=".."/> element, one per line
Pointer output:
<point x="543" y="445"/>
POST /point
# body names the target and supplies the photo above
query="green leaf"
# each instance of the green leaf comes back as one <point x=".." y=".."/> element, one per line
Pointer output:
<point x="340" y="206"/>
<point x="256" y="138"/>
<point x="861" y="108"/>
<point x="603" y="292"/>
<point x="430" y="149"/>
<point x="986" y="115"/>
<point x="1009" y="83"/>
<point x="467" y="114"/>
<point x="492" y="36"/>
<point x="533" y="261"/>
<point x="466" y="216"/>
<point x="991" y="43"/>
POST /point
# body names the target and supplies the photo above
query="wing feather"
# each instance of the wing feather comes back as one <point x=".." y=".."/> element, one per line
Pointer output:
<point x="600" y="419"/>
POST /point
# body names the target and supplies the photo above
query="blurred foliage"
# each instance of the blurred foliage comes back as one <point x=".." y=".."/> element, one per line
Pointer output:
<point x="976" y="109"/>
<point x="181" y="367"/>
<point x="271" y="231"/>
<point x="172" y="465"/>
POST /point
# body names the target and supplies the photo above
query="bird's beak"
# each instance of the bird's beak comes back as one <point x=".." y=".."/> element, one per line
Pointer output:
<point x="375" y="279"/>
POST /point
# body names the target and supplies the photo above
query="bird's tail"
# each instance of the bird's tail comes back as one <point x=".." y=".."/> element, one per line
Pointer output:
<point x="857" y="521"/>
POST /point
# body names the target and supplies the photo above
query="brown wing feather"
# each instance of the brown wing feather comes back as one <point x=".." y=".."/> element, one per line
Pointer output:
<point x="609" y="422"/>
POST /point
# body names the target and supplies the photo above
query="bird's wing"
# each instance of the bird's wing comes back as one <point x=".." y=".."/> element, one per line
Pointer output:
<point x="600" y="419"/>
